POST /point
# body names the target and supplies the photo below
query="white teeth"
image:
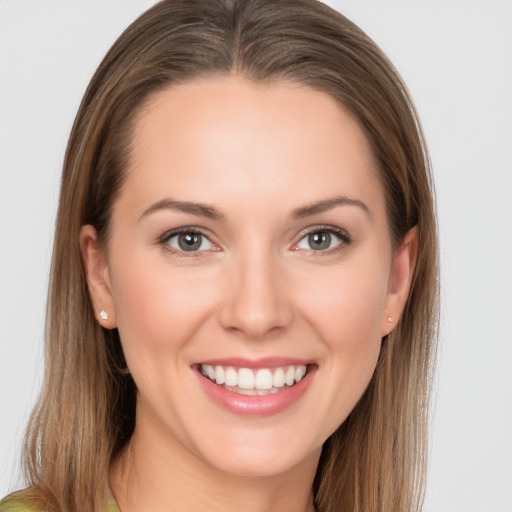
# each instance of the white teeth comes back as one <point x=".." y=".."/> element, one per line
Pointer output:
<point x="219" y="375"/>
<point x="278" y="378"/>
<point x="263" y="379"/>
<point x="289" y="377"/>
<point x="247" y="381"/>
<point x="231" y="377"/>
<point x="250" y="392"/>
<point x="245" y="378"/>
<point x="299" y="373"/>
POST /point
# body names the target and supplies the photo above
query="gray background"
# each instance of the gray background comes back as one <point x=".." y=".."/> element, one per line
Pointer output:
<point x="455" y="56"/>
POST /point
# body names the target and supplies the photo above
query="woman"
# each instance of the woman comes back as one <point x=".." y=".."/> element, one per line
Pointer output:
<point x="243" y="298"/>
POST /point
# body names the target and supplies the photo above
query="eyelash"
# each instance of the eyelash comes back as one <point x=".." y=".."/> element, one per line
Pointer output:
<point x="342" y="235"/>
<point x="166" y="237"/>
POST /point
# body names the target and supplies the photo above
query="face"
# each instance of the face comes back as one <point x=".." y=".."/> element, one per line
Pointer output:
<point x="249" y="271"/>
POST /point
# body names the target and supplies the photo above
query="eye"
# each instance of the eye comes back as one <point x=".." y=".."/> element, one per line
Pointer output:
<point x="323" y="239"/>
<point x="188" y="240"/>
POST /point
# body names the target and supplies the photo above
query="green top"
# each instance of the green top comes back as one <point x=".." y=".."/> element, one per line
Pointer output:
<point x="17" y="503"/>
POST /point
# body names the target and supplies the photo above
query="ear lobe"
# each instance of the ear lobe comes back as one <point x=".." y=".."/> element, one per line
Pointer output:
<point x="402" y="271"/>
<point x="97" y="275"/>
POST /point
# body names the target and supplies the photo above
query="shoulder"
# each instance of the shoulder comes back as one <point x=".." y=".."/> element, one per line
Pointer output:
<point x="19" y="502"/>
<point x="16" y="503"/>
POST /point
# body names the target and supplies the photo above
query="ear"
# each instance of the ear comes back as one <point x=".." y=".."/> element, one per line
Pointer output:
<point x="404" y="262"/>
<point x="97" y="275"/>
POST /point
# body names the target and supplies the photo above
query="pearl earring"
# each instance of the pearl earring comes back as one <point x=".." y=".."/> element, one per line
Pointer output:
<point x="103" y="314"/>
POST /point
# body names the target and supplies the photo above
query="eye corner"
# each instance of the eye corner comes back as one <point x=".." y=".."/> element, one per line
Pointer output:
<point x="197" y="244"/>
<point x="332" y="239"/>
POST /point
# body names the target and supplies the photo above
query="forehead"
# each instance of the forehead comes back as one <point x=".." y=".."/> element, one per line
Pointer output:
<point x="229" y="135"/>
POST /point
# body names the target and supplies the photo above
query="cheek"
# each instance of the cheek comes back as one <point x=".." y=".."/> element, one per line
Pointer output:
<point x="348" y="307"/>
<point x="157" y="310"/>
<point x="347" y="317"/>
<point x="350" y="330"/>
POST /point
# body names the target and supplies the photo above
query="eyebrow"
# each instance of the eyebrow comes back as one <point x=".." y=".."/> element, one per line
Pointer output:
<point x="200" y="209"/>
<point x="328" y="204"/>
<point x="210" y="212"/>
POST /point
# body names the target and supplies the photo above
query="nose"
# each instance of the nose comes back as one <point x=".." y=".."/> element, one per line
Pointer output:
<point x="257" y="300"/>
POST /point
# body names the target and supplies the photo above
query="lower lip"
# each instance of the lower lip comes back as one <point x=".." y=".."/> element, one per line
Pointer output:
<point x="264" y="405"/>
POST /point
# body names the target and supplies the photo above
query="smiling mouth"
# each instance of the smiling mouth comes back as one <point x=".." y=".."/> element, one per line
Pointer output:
<point x="254" y="382"/>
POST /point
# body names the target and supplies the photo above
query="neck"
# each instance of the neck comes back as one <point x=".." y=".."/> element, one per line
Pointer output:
<point x="153" y="476"/>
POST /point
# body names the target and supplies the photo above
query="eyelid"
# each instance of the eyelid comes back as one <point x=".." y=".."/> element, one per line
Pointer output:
<point x="163" y="240"/>
<point x="341" y="234"/>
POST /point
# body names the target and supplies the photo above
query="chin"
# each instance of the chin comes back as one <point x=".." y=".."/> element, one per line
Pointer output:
<point x="260" y="457"/>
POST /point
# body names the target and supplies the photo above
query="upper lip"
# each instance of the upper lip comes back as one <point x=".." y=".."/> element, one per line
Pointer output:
<point x="265" y="362"/>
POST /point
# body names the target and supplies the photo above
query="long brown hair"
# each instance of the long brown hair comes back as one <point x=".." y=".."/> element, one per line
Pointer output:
<point x="375" y="461"/>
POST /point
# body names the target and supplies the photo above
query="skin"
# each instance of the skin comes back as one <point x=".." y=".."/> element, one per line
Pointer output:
<point x="257" y="288"/>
